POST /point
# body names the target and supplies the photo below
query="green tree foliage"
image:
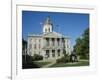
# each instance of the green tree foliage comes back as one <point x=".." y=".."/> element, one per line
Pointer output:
<point x="24" y="44"/>
<point x="82" y="45"/>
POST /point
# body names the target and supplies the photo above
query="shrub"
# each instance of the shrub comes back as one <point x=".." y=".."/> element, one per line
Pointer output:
<point x="64" y="59"/>
<point x="37" y="57"/>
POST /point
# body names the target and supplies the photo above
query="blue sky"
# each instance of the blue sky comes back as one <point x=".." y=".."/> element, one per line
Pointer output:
<point x="68" y="24"/>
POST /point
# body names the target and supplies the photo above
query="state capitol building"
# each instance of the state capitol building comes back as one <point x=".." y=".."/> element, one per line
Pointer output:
<point x="50" y="44"/>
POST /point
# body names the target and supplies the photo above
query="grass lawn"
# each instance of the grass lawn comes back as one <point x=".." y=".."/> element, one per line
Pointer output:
<point x="80" y="63"/>
<point x="41" y="64"/>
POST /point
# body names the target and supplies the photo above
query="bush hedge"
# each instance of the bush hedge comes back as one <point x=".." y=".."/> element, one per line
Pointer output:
<point x="63" y="59"/>
<point x="37" y="57"/>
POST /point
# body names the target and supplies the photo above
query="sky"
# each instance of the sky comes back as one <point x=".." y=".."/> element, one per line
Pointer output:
<point x="68" y="24"/>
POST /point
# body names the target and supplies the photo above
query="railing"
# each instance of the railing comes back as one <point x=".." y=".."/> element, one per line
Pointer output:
<point x="52" y="47"/>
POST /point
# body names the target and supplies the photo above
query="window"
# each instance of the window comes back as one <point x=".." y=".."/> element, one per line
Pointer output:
<point x="47" y="42"/>
<point x="58" y="40"/>
<point x="63" y="42"/>
<point x="58" y="52"/>
<point x="39" y="43"/>
<point x="53" y="53"/>
<point x="53" y="42"/>
<point x="34" y="46"/>
<point x="30" y="46"/>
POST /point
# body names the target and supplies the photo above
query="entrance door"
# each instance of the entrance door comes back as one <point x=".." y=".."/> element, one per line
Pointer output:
<point x="47" y="54"/>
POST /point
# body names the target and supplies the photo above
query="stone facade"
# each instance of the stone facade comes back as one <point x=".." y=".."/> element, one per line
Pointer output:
<point x="50" y="44"/>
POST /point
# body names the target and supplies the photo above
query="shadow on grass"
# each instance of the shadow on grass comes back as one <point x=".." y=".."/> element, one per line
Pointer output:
<point x="30" y="65"/>
<point x="27" y="62"/>
<point x="75" y="64"/>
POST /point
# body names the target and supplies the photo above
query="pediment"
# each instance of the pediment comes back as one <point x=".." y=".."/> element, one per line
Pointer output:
<point x="53" y="35"/>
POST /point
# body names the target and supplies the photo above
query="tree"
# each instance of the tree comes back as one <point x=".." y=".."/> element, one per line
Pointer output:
<point x="82" y="45"/>
<point x="27" y="60"/>
<point x="24" y="46"/>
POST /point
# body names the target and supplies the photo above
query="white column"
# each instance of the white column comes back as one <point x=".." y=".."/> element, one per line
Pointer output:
<point x="43" y="53"/>
<point x="69" y="46"/>
<point x="28" y="47"/>
<point x="43" y="44"/>
<point x="61" y="53"/>
<point x="50" y="52"/>
<point x="48" y="42"/>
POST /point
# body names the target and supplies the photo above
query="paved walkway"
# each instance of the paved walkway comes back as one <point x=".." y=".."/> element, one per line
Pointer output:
<point x="83" y="60"/>
<point x="46" y="66"/>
